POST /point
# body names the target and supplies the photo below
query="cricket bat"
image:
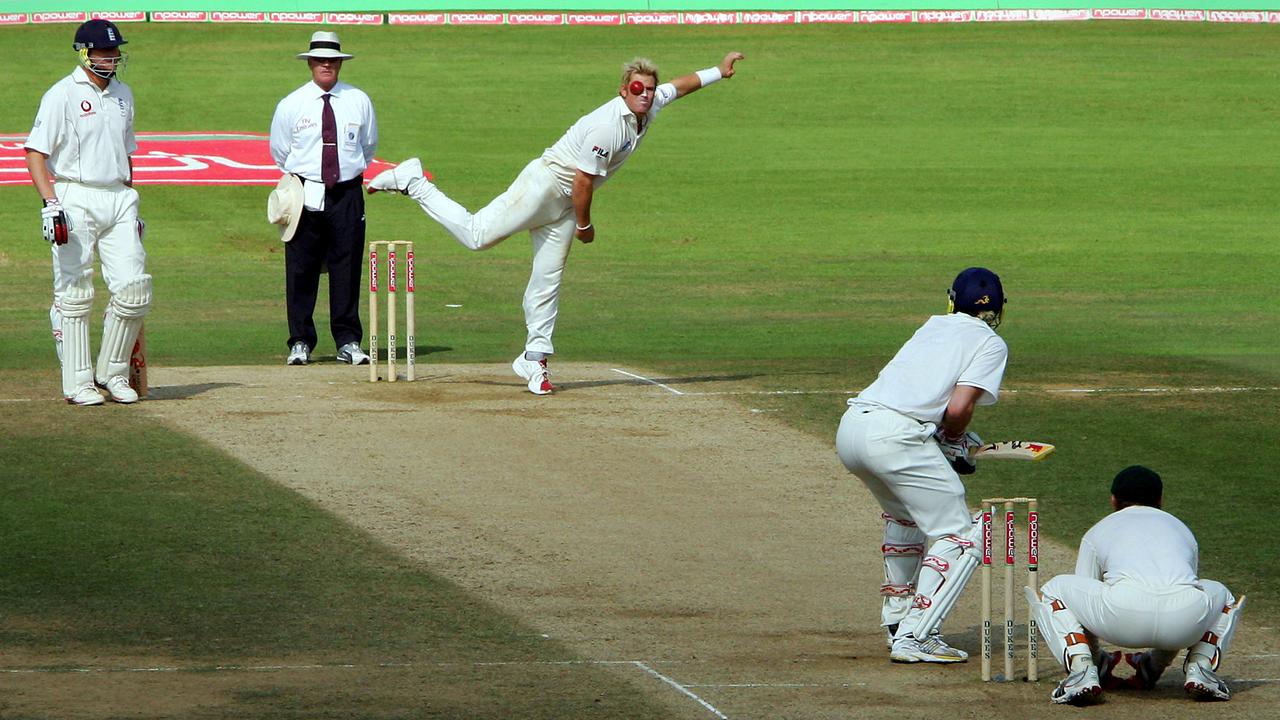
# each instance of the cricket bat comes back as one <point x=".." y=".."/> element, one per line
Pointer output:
<point x="1014" y="450"/>
<point x="138" y="364"/>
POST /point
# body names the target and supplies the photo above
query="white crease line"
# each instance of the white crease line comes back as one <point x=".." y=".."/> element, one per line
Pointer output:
<point x="15" y="399"/>
<point x="651" y="382"/>
<point x="681" y="688"/>
<point x="772" y="685"/>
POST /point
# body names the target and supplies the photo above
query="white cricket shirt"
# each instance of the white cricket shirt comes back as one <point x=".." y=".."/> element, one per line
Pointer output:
<point x="87" y="133"/>
<point x="948" y="350"/>
<point x="600" y="141"/>
<point x="296" y="141"/>
<point x="1140" y="543"/>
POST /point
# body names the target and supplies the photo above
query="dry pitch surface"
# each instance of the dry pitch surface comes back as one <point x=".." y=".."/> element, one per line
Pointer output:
<point x="722" y="561"/>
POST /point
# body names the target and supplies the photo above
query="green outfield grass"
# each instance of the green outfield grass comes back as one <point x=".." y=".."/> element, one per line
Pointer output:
<point x="795" y="224"/>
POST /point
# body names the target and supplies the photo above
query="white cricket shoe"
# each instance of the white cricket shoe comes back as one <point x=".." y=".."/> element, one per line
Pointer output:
<point x="299" y="354"/>
<point x="1203" y="684"/>
<point x="535" y="371"/>
<point x="933" y="650"/>
<point x="1080" y="687"/>
<point x="121" y="391"/>
<point x="86" y="395"/>
<point x="403" y="178"/>
<point x="351" y="354"/>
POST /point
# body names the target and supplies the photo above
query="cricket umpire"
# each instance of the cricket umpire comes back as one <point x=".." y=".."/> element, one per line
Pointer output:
<point x="905" y="436"/>
<point x="78" y="155"/>
<point x="1137" y="585"/>
<point x="325" y="133"/>
<point x="551" y="198"/>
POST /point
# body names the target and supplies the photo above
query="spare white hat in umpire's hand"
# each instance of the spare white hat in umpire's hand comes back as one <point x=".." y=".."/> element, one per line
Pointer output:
<point x="325" y="44"/>
<point x="284" y="206"/>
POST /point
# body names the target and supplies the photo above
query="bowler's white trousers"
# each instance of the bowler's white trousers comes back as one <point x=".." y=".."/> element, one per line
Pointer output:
<point x="534" y="202"/>
<point x="1131" y="614"/>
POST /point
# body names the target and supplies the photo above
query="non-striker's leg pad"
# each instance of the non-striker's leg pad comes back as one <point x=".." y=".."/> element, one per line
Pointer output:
<point x="120" y="329"/>
<point x="77" y="364"/>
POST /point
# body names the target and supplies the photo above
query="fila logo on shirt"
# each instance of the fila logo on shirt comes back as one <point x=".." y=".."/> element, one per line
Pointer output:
<point x="600" y="152"/>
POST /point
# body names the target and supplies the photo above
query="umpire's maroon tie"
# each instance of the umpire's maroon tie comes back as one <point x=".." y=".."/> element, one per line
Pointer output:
<point x="329" y="152"/>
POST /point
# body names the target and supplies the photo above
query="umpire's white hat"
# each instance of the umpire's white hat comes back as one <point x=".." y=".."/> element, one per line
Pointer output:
<point x="325" y="45"/>
<point x="284" y="206"/>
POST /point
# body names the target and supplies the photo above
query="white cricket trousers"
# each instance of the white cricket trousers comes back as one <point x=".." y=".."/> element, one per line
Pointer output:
<point x="534" y="202"/>
<point x="1131" y="614"/>
<point x="896" y="458"/>
<point x="101" y="218"/>
<point x="104" y="219"/>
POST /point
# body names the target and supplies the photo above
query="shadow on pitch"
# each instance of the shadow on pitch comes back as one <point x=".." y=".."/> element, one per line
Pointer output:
<point x="185" y="392"/>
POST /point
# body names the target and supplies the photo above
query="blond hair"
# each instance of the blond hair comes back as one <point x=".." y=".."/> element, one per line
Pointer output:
<point x="639" y="66"/>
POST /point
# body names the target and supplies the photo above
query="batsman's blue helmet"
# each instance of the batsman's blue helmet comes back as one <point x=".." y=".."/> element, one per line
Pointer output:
<point x="977" y="291"/>
<point x="97" y="34"/>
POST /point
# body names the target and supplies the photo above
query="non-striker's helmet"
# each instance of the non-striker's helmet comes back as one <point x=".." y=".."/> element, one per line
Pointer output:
<point x="98" y="34"/>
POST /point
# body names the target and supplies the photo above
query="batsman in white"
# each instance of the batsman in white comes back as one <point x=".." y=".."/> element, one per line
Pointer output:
<point x="1136" y="585"/>
<point x="551" y="198"/>
<point x="905" y="436"/>
<point x="78" y="154"/>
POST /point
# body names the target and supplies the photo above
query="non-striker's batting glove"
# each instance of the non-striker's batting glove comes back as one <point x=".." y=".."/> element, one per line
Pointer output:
<point x="959" y="451"/>
<point x="56" y="228"/>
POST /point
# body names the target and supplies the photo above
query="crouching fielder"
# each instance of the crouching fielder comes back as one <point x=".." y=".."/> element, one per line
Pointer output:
<point x="905" y="437"/>
<point x="83" y="138"/>
<point x="1136" y="585"/>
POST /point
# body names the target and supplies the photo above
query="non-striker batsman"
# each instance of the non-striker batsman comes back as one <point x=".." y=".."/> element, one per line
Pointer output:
<point x="78" y="154"/>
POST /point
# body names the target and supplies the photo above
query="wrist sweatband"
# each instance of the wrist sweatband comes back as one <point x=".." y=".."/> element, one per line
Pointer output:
<point x="710" y="75"/>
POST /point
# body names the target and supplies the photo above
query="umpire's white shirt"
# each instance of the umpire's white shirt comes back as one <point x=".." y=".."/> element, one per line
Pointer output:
<point x="1140" y="543"/>
<point x="87" y="133"/>
<point x="948" y="350"/>
<point x="600" y="141"/>
<point x="296" y="141"/>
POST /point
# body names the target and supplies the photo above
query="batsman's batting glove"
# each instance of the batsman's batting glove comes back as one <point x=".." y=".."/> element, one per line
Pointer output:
<point x="55" y="222"/>
<point x="958" y="451"/>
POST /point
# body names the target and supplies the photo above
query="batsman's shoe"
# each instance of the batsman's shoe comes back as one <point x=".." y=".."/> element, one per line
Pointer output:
<point x="402" y="178"/>
<point x="351" y="354"/>
<point x="86" y="395"/>
<point x="1145" y="675"/>
<point x="535" y="371"/>
<point x="299" y="354"/>
<point x="933" y="650"/>
<point x="118" y="387"/>
<point x="1203" y="683"/>
<point x="1080" y="687"/>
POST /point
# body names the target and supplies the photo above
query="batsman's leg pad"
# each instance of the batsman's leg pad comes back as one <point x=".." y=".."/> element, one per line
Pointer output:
<point x="944" y="573"/>
<point x="1215" y="643"/>
<point x="77" y="364"/>
<point x="120" y="329"/>
<point x="1061" y="631"/>
<point x="903" y="549"/>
